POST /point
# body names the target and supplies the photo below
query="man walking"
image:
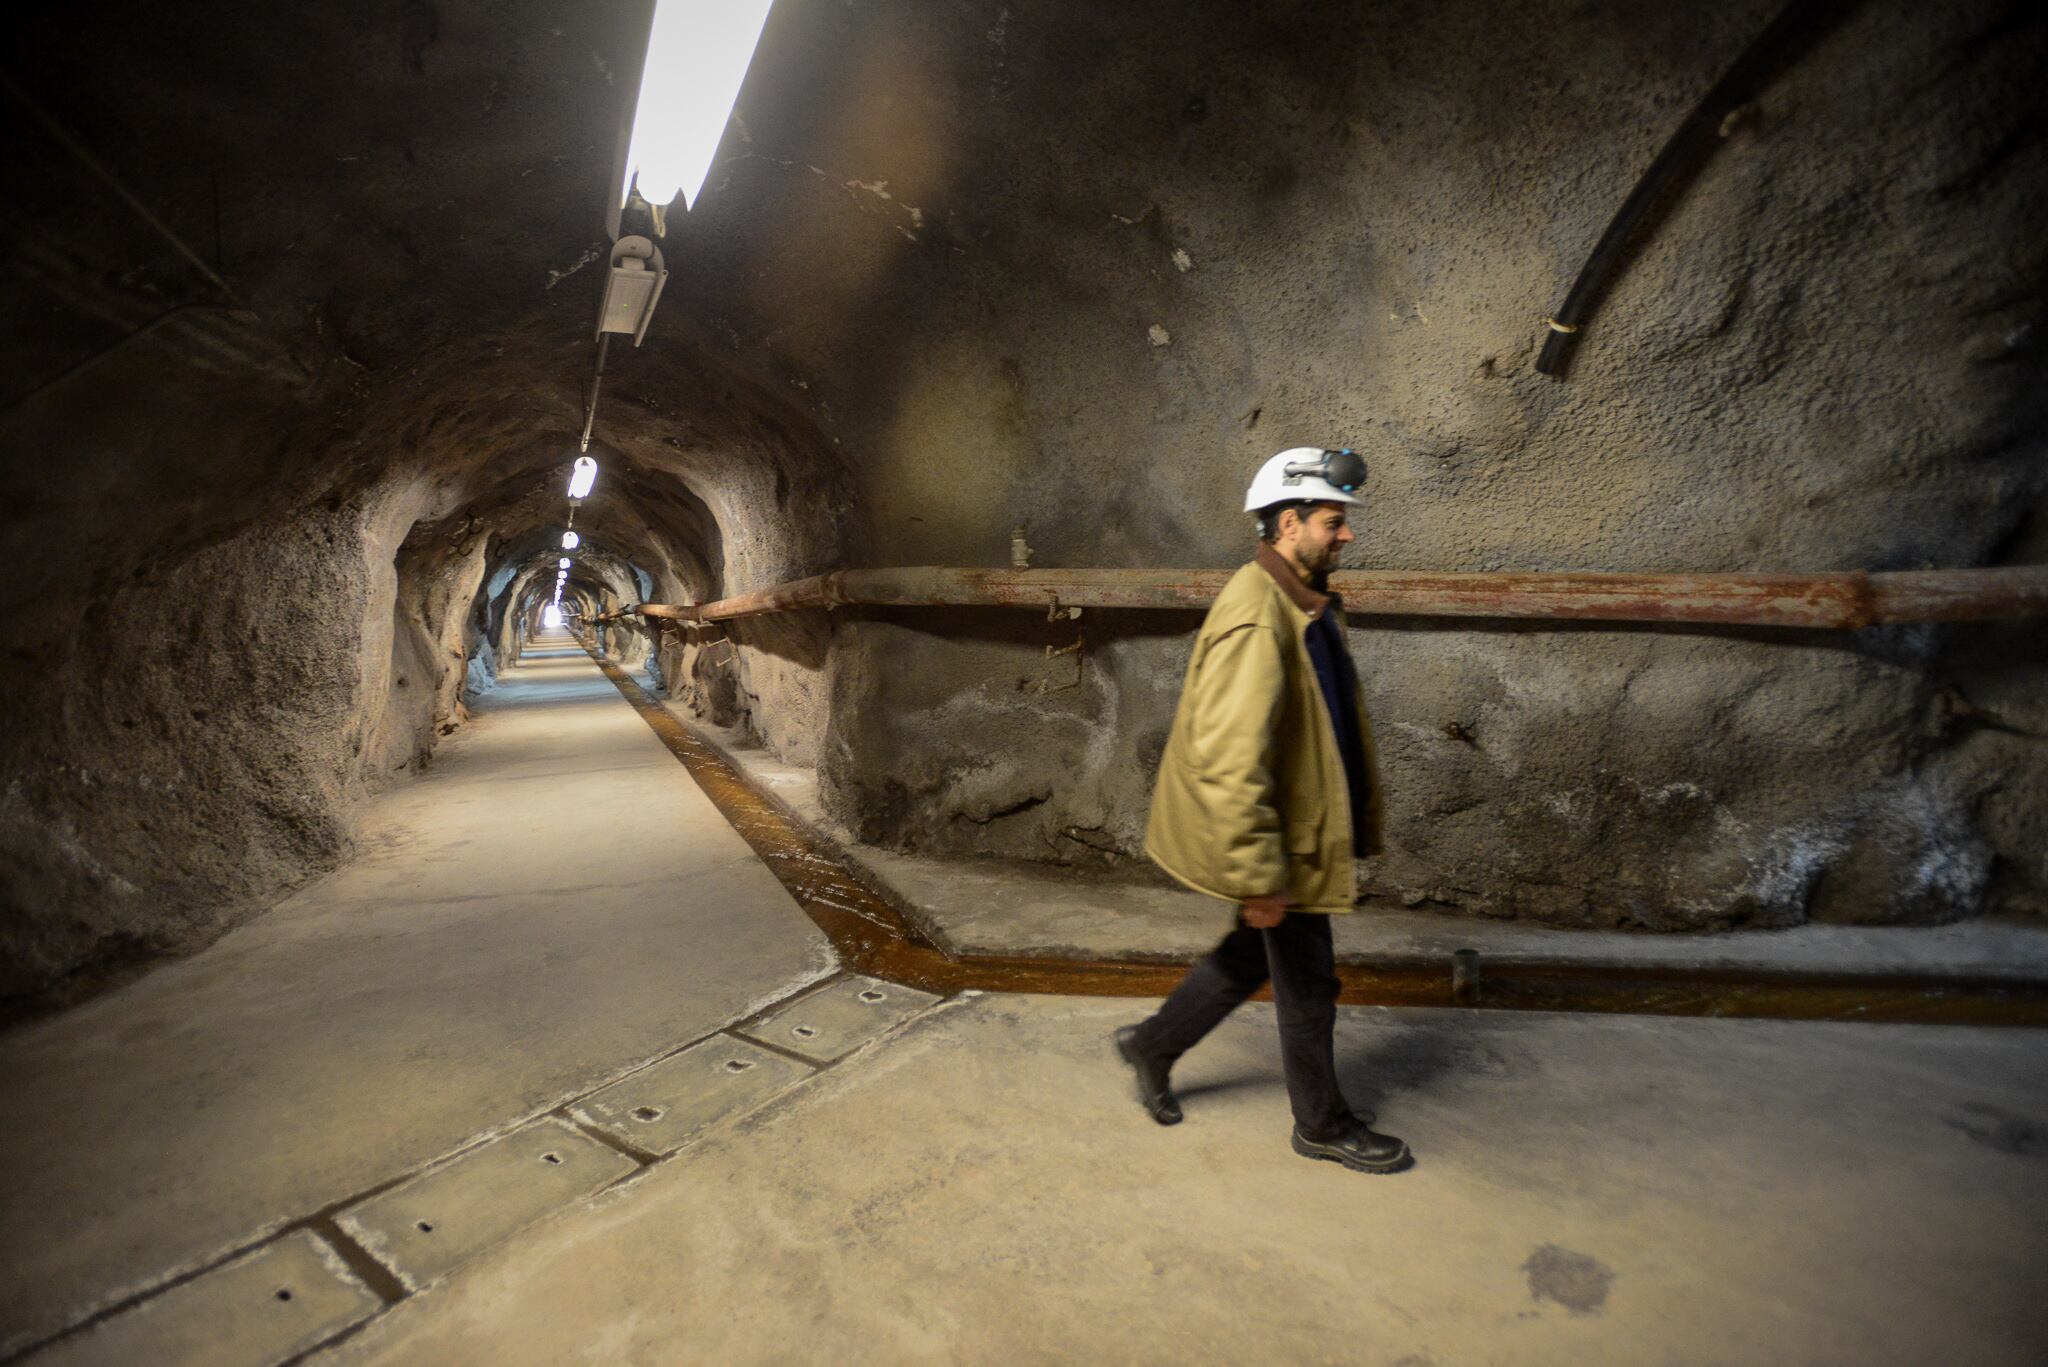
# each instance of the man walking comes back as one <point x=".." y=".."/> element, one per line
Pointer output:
<point x="1265" y="796"/>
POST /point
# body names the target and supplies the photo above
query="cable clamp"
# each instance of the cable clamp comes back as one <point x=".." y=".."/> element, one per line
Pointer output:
<point x="1556" y="326"/>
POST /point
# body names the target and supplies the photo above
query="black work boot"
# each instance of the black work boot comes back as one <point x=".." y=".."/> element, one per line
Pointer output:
<point x="1360" y="1148"/>
<point x="1153" y="1092"/>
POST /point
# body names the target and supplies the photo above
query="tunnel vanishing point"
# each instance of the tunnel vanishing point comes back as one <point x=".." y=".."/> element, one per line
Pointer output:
<point x="445" y="919"/>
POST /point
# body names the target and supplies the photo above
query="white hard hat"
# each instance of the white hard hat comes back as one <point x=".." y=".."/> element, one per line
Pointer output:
<point x="1309" y="474"/>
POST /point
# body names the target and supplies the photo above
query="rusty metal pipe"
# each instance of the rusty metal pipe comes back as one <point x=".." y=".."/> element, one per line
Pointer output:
<point x="1959" y="595"/>
<point x="1836" y="601"/>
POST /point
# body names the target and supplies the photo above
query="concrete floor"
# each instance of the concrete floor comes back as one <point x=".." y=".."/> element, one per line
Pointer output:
<point x="553" y="902"/>
<point x="1630" y="1190"/>
<point x="866" y="1175"/>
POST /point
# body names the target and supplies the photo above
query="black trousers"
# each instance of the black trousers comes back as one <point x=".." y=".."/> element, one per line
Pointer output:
<point x="1296" y="955"/>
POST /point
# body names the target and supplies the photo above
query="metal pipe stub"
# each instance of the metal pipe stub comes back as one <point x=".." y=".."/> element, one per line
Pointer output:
<point x="1464" y="975"/>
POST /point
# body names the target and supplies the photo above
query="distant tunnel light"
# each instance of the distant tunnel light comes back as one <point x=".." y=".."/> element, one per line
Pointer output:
<point x="570" y="541"/>
<point x="582" y="477"/>
<point x="563" y="563"/>
<point x="697" y="56"/>
<point x="551" y="616"/>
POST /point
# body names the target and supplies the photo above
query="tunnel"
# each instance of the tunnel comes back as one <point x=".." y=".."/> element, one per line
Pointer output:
<point x="623" y="747"/>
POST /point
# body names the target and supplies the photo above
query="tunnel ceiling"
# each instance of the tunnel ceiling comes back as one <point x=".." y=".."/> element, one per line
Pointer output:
<point x="408" y="198"/>
<point x="969" y="268"/>
<point x="409" y="249"/>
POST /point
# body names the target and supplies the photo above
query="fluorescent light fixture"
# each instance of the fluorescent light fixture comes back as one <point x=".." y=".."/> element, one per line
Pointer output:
<point x="551" y="616"/>
<point x="582" y="477"/>
<point x="563" y="563"/>
<point x="631" y="288"/>
<point x="697" y="56"/>
<point x="570" y="541"/>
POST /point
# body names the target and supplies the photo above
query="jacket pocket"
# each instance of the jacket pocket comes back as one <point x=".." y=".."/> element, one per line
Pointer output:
<point x="1305" y="836"/>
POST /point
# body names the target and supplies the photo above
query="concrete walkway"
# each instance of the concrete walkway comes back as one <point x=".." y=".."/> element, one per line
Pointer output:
<point x="1588" y="1190"/>
<point x="552" y="903"/>
<point x="557" y="1072"/>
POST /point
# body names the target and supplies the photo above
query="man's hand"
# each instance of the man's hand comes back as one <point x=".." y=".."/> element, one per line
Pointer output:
<point x="1263" y="913"/>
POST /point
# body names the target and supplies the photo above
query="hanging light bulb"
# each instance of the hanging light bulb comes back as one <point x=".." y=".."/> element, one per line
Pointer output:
<point x="697" y="56"/>
<point x="564" y="563"/>
<point x="582" y="477"/>
<point x="570" y="541"/>
<point x="551" y="616"/>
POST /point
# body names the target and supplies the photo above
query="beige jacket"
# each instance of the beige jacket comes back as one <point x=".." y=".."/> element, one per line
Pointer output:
<point x="1251" y="797"/>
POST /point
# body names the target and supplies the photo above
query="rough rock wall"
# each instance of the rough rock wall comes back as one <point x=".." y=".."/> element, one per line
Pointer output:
<point x="1105" y="259"/>
<point x="197" y="747"/>
<point x="431" y="643"/>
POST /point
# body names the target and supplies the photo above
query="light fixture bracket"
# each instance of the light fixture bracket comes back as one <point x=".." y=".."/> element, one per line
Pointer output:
<point x="632" y="287"/>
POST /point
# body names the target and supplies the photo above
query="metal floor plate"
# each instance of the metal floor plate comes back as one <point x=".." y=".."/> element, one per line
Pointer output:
<point x="272" y="1304"/>
<point x="423" y="1227"/>
<point x="667" y="1104"/>
<point x="834" y="1021"/>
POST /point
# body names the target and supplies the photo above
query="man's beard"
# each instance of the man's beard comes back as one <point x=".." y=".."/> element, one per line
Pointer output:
<point x="1320" y="567"/>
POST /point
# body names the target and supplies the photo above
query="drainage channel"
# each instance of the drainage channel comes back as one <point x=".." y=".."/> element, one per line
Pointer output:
<point x="873" y="936"/>
<point x="375" y="1249"/>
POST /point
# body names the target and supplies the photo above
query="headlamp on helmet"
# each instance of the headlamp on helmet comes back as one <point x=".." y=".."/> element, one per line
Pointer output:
<point x="1307" y="474"/>
<point x="1343" y="469"/>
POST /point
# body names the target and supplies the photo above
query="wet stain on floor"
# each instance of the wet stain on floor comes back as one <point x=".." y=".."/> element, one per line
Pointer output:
<point x="2000" y="1130"/>
<point x="1575" y="1281"/>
